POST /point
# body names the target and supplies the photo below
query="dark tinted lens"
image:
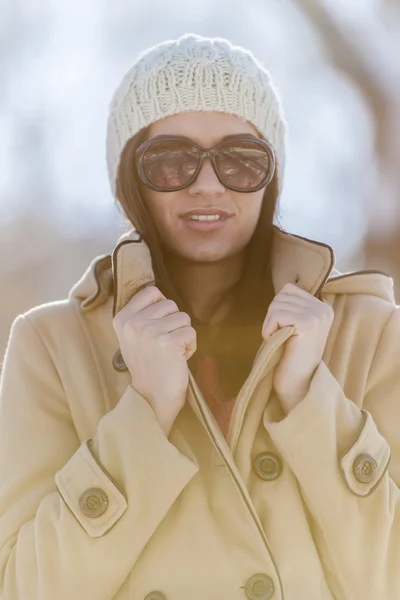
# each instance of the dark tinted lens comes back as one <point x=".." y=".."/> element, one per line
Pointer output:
<point x="169" y="164"/>
<point x="243" y="164"/>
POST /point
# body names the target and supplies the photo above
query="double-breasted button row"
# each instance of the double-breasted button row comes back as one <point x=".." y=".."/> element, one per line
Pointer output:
<point x="267" y="466"/>
<point x="259" y="587"/>
<point x="93" y="503"/>
<point x="365" y="468"/>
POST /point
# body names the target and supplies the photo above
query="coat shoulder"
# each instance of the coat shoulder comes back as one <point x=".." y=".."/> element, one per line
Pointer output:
<point x="364" y="290"/>
<point x="57" y="323"/>
<point x="92" y="291"/>
<point x="362" y="301"/>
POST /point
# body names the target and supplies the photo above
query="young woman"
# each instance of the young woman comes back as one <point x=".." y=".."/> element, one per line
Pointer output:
<point x="211" y="412"/>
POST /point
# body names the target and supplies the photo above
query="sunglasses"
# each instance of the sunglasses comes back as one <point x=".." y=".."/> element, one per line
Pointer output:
<point x="242" y="163"/>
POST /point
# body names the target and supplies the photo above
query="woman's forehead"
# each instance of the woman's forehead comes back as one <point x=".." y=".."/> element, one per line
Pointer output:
<point x="205" y="128"/>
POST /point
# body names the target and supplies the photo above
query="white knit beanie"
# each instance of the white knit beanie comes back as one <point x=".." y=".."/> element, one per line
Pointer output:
<point x="194" y="73"/>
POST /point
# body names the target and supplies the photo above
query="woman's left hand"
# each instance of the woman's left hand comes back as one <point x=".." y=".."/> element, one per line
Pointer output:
<point x="312" y="320"/>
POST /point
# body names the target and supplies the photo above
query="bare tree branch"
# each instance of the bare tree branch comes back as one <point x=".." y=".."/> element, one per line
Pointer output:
<point x="347" y="55"/>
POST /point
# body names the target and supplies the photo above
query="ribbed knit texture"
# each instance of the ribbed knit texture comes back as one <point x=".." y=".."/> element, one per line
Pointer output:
<point x="194" y="73"/>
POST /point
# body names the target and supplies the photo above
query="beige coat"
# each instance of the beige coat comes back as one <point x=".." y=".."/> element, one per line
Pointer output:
<point x="96" y="503"/>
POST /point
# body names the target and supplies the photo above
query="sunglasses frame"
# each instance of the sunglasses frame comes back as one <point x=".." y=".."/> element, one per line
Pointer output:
<point x="205" y="153"/>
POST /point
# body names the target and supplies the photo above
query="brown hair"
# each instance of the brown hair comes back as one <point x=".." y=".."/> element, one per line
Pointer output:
<point x="233" y="343"/>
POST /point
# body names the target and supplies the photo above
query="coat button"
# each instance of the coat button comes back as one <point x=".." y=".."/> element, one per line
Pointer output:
<point x="118" y="362"/>
<point x="93" y="503"/>
<point x="259" y="587"/>
<point x="365" y="468"/>
<point x="155" y="596"/>
<point x="268" y="466"/>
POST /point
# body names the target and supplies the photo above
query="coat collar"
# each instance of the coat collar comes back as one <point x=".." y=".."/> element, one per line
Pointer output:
<point x="295" y="259"/>
<point x="304" y="262"/>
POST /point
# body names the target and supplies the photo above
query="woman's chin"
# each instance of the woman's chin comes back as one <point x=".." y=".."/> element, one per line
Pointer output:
<point x="207" y="253"/>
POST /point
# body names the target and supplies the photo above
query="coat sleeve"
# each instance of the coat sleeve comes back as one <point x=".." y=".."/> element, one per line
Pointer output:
<point x="75" y="517"/>
<point x="340" y="456"/>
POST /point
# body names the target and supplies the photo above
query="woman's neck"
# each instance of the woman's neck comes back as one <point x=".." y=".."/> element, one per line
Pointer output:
<point x="201" y="285"/>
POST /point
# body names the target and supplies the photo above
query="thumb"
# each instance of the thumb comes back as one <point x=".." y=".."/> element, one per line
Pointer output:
<point x="189" y="350"/>
<point x="269" y="327"/>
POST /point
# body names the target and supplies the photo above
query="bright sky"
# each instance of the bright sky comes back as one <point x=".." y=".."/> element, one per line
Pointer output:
<point x="64" y="59"/>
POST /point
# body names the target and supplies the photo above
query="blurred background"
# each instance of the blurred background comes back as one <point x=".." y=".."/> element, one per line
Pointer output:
<point x="335" y="62"/>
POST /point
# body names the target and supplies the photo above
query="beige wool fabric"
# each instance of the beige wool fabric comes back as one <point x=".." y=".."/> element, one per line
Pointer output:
<point x="194" y="73"/>
<point x="97" y="503"/>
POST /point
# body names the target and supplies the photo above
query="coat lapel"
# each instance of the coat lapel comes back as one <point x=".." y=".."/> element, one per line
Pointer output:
<point x="295" y="259"/>
<point x="132" y="269"/>
<point x="301" y="261"/>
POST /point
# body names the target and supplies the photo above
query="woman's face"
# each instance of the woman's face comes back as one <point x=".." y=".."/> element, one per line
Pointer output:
<point x="166" y="209"/>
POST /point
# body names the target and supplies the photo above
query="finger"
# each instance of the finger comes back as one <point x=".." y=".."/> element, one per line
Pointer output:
<point x="316" y="307"/>
<point x="160" y="309"/>
<point x="144" y="298"/>
<point x="278" y="319"/>
<point x="294" y="290"/>
<point x="171" y="322"/>
<point x="295" y="301"/>
<point x="187" y="338"/>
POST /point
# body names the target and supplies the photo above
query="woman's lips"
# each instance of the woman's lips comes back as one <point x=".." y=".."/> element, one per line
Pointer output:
<point x="204" y="225"/>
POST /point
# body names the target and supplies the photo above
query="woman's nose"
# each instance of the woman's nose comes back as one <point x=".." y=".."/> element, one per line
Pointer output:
<point x="207" y="181"/>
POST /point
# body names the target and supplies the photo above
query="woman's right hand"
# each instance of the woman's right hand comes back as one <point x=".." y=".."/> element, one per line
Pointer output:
<point x="156" y="341"/>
